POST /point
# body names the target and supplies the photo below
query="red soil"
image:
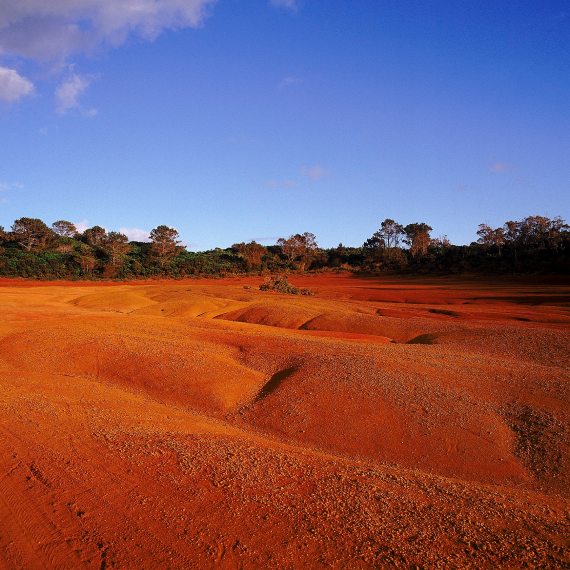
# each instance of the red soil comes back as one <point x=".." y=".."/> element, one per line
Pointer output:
<point x="199" y="424"/>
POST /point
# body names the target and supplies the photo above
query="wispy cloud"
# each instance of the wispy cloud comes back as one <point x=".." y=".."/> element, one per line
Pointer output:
<point x="288" y="4"/>
<point x="55" y="29"/>
<point x="314" y="172"/>
<point x="12" y="85"/>
<point x="461" y="188"/>
<point x="500" y="167"/>
<point x="68" y="92"/>
<point x="4" y="186"/>
<point x="134" y="234"/>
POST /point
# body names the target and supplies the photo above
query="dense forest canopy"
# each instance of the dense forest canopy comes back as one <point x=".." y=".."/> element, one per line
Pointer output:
<point x="32" y="249"/>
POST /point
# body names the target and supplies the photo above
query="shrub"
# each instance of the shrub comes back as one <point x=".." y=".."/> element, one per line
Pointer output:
<point x="280" y="284"/>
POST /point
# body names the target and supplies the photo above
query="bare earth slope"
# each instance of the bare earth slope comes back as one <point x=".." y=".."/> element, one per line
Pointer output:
<point x="383" y="423"/>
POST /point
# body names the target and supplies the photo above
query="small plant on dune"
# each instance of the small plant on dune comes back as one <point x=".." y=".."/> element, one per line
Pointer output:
<point x="280" y="284"/>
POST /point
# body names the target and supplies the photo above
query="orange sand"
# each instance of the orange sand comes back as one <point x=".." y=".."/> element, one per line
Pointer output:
<point x="383" y="423"/>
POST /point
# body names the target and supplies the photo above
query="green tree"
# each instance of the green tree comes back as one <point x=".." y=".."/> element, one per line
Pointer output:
<point x="300" y="249"/>
<point x="511" y="233"/>
<point x="116" y="246"/>
<point x="94" y="235"/>
<point x="391" y="233"/>
<point x="165" y="243"/>
<point x="417" y="238"/>
<point x="31" y="232"/>
<point x="251" y="252"/>
<point x="387" y="238"/>
<point x="64" y="229"/>
<point x="85" y="258"/>
<point x="64" y="244"/>
<point x="490" y="237"/>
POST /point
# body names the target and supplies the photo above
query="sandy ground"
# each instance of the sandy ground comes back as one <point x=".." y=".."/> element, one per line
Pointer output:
<point x="383" y="423"/>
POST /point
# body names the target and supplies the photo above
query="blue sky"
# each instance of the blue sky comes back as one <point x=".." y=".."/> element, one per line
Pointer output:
<point x="236" y="120"/>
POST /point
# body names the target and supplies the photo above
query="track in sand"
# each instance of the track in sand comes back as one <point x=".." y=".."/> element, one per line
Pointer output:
<point x="383" y="423"/>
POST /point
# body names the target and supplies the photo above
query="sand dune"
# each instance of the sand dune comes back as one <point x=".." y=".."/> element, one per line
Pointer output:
<point x="198" y="424"/>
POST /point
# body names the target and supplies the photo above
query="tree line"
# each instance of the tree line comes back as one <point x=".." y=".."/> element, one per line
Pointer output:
<point x="32" y="249"/>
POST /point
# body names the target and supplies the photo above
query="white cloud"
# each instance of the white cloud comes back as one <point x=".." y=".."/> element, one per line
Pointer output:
<point x="8" y="186"/>
<point x="135" y="234"/>
<point x="289" y="4"/>
<point x="314" y="172"/>
<point x="82" y="226"/>
<point x="68" y="92"/>
<point x="55" y="29"/>
<point x="13" y="86"/>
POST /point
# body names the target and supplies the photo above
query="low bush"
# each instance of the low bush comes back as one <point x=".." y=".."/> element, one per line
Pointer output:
<point x="280" y="284"/>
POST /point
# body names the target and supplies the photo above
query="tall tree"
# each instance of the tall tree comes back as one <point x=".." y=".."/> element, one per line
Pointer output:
<point x="165" y="243"/>
<point x="299" y="248"/>
<point x="489" y="236"/>
<point x="94" y="235"/>
<point x="388" y="237"/>
<point x="417" y="238"/>
<point x="556" y="232"/>
<point x="511" y="233"/>
<point x="375" y="242"/>
<point x="116" y="246"/>
<point x="31" y="232"/>
<point x="391" y="232"/>
<point x="64" y="229"/>
<point x="85" y="258"/>
<point x="540" y="231"/>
